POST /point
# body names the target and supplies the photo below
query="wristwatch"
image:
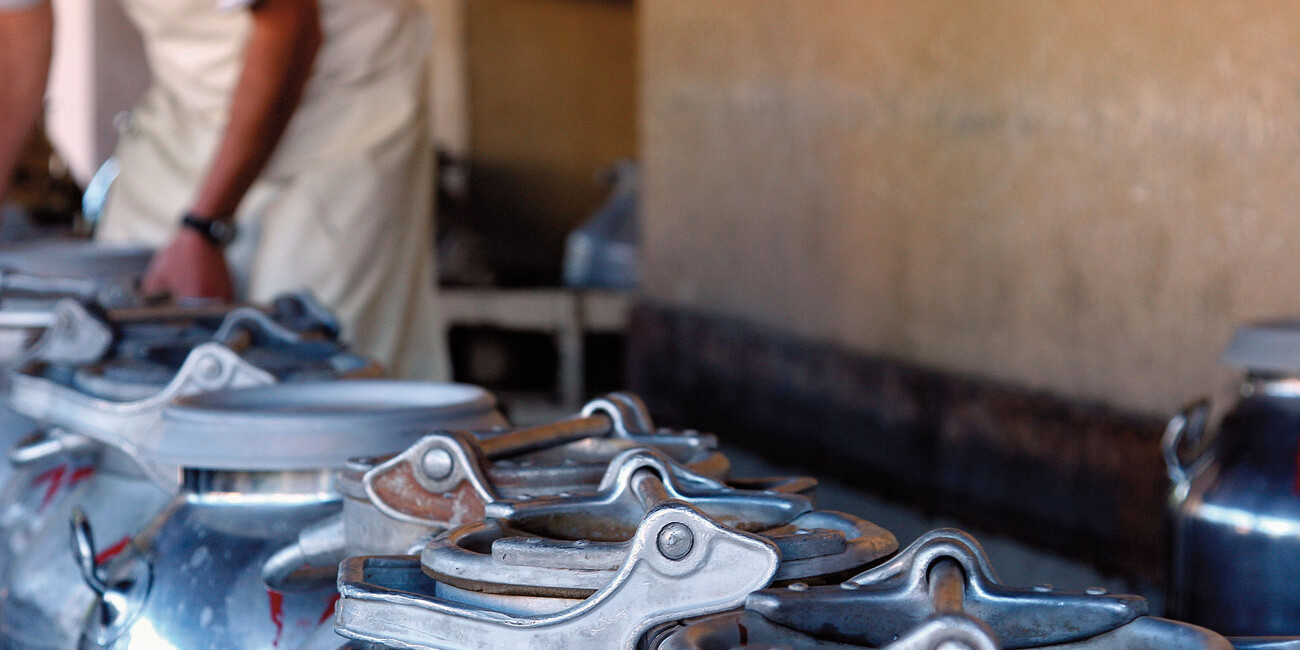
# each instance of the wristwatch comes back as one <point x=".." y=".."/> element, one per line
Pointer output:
<point x="217" y="232"/>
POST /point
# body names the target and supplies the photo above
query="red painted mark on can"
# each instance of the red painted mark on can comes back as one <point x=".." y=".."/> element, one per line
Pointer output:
<point x="112" y="551"/>
<point x="53" y="478"/>
<point x="744" y="633"/>
<point x="81" y="474"/>
<point x="277" y="613"/>
<point x="329" y="609"/>
<point x="58" y="478"/>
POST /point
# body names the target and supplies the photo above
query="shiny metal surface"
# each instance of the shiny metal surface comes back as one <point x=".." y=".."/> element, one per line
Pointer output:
<point x="566" y="456"/>
<point x="386" y="601"/>
<point x="89" y="457"/>
<point x="1236" y="510"/>
<point x="43" y="600"/>
<point x="213" y="554"/>
<point x="567" y="546"/>
<point x="939" y="593"/>
<point x="204" y="553"/>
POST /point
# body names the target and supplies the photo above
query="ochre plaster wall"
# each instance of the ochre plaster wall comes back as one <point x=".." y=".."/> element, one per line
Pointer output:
<point x="552" y="96"/>
<point x="1080" y="195"/>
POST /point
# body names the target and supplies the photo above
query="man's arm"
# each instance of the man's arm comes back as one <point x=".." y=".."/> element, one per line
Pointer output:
<point x="282" y="47"/>
<point x="26" y="41"/>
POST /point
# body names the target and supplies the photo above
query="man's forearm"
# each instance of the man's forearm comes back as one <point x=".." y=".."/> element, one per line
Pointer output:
<point x="277" y="63"/>
<point x="26" y="38"/>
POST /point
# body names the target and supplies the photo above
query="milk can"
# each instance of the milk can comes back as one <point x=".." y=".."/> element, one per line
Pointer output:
<point x="89" y="456"/>
<point x="1236" y="494"/>
<point x="258" y="467"/>
<point x="32" y="277"/>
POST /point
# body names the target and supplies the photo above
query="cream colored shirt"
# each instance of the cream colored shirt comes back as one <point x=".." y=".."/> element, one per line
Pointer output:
<point x="343" y="207"/>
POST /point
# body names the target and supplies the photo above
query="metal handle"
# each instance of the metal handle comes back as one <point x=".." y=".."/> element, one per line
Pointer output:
<point x="635" y="481"/>
<point x="255" y="322"/>
<point x="120" y="598"/>
<point x="627" y="412"/>
<point x="42" y="445"/>
<point x="525" y="440"/>
<point x="1185" y="429"/>
<point x="83" y="551"/>
<point x="312" y="561"/>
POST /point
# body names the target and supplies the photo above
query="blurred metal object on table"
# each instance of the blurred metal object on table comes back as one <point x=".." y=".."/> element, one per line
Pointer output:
<point x="1235" y="500"/>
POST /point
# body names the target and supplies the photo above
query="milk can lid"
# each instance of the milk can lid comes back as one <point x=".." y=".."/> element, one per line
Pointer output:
<point x="1267" y="346"/>
<point x="75" y="259"/>
<point x="311" y="425"/>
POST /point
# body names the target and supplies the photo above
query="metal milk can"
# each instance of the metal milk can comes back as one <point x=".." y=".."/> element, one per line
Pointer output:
<point x="89" y="458"/>
<point x="32" y="278"/>
<point x="1236" y="494"/>
<point x="258" y="468"/>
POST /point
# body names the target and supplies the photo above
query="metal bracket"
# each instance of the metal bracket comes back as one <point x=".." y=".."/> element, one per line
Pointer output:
<point x="427" y="484"/>
<point x="438" y="482"/>
<point x="681" y="564"/>
<point x="74" y="336"/>
<point x="627" y="412"/>
<point x="945" y="572"/>
<point x="566" y="546"/>
<point x="208" y="367"/>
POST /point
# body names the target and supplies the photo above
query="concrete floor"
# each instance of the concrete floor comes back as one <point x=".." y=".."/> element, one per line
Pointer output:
<point x="1017" y="564"/>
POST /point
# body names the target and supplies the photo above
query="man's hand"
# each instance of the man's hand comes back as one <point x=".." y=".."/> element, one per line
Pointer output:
<point x="189" y="267"/>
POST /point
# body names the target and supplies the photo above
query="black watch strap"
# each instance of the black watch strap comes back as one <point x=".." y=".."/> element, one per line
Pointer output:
<point x="218" y="232"/>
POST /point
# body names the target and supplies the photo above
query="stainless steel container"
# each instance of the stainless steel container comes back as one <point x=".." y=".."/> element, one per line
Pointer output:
<point x="33" y="277"/>
<point x="89" y="458"/>
<point x="259" y="467"/>
<point x="1236" y="494"/>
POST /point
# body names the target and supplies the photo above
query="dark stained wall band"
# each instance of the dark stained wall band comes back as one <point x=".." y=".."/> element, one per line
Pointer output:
<point x="1080" y="478"/>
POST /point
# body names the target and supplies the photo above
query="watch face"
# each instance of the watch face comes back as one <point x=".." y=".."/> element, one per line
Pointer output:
<point x="221" y="231"/>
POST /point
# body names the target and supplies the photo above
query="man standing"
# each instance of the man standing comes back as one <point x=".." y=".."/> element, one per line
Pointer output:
<point x="293" y="131"/>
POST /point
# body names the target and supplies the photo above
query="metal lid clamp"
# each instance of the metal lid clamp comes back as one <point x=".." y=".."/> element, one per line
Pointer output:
<point x="567" y="546"/>
<point x="71" y="334"/>
<point x="944" y="574"/>
<point x="418" y="485"/>
<point x="437" y="483"/>
<point x="125" y="425"/>
<point x="680" y="564"/>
